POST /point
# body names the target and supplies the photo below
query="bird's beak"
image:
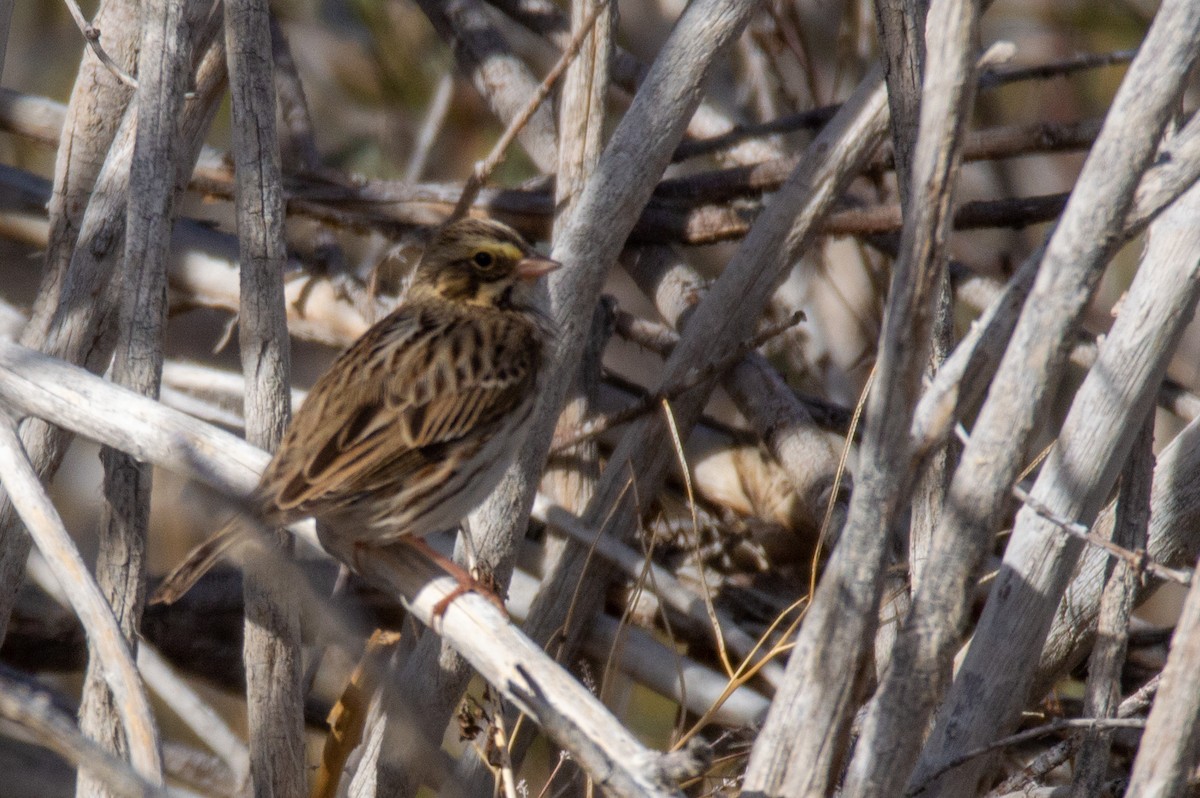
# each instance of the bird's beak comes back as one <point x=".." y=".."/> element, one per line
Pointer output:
<point x="534" y="266"/>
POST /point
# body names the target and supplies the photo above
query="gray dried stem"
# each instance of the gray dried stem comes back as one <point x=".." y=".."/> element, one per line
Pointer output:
<point x="628" y="73"/>
<point x="91" y="35"/>
<point x="902" y="34"/>
<point x="164" y="65"/>
<point x="175" y="691"/>
<point x="273" y="654"/>
<point x="1135" y="704"/>
<point x="106" y="642"/>
<point x="810" y="718"/>
<point x="483" y="169"/>
<point x="959" y="384"/>
<point x="35" y="714"/>
<point x="782" y="422"/>
<point x="1070" y="269"/>
<point x="96" y="108"/>
<point x="1103" y="691"/>
<point x="1174" y="510"/>
<point x="498" y="75"/>
<point x="198" y="715"/>
<point x="1052" y="727"/>
<point x="299" y="153"/>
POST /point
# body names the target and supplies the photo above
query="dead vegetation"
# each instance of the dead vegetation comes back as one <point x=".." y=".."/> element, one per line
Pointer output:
<point x="870" y="440"/>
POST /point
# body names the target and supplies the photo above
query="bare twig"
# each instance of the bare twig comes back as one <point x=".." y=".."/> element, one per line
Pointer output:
<point x="91" y="35"/>
<point x="1135" y="704"/>
<point x="815" y="118"/>
<point x="35" y="714"/>
<point x="199" y="716"/>
<point x="1031" y="734"/>
<point x="435" y="116"/>
<point x="272" y="638"/>
<point x="107" y="643"/>
<point x="497" y="74"/>
<point x="652" y="401"/>
<point x="483" y="169"/>
<point x="1137" y="560"/>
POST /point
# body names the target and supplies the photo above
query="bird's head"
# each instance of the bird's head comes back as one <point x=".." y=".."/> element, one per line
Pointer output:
<point x="480" y="262"/>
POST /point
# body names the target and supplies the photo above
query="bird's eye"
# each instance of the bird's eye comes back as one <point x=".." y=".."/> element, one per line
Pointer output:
<point x="484" y="259"/>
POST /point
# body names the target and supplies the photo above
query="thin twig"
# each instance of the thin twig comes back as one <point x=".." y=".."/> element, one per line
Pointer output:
<point x="1135" y="704"/>
<point x="816" y="117"/>
<point x="91" y="35"/>
<point x="1029" y="734"/>
<point x="651" y="402"/>
<point x="435" y="117"/>
<point x="35" y="714"/>
<point x="104" y="635"/>
<point x="1138" y="560"/>
<point x="483" y="169"/>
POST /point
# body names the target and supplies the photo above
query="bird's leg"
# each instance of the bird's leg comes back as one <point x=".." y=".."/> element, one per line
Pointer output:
<point x="466" y="582"/>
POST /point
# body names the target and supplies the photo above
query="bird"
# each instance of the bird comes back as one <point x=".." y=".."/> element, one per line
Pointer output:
<point x="414" y="424"/>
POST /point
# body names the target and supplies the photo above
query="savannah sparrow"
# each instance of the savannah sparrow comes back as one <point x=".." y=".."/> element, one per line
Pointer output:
<point x="413" y="425"/>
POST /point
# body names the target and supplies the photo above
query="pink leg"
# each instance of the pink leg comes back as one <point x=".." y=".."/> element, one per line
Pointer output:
<point x="466" y="582"/>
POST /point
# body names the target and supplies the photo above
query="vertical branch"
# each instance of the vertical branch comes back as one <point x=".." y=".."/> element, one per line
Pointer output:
<point x="495" y="71"/>
<point x="272" y="639"/>
<point x="901" y="25"/>
<point x="95" y="111"/>
<point x="902" y="37"/>
<point x="993" y="681"/>
<point x="1116" y="605"/>
<point x="571" y="483"/>
<point x="1167" y="755"/>
<point x="105" y="640"/>
<point x="605" y="211"/>
<point x="120" y="566"/>
<point x="298" y="145"/>
<point x="830" y="651"/>
<point x="581" y="125"/>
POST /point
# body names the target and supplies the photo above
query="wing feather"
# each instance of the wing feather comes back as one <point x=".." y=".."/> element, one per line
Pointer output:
<point x="380" y="430"/>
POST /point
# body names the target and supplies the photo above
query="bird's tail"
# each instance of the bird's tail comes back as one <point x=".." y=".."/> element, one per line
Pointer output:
<point x="196" y="564"/>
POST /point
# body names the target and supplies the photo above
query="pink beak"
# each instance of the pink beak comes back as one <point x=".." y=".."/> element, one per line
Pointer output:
<point x="535" y="266"/>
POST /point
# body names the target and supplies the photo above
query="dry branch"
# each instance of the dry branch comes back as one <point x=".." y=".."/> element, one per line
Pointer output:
<point x="34" y="713"/>
<point x="36" y="385"/>
<point x="793" y="756"/>
<point x="105" y="639"/>
<point x="273" y="655"/>
<point x="137" y="364"/>
<point x="1069" y="272"/>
